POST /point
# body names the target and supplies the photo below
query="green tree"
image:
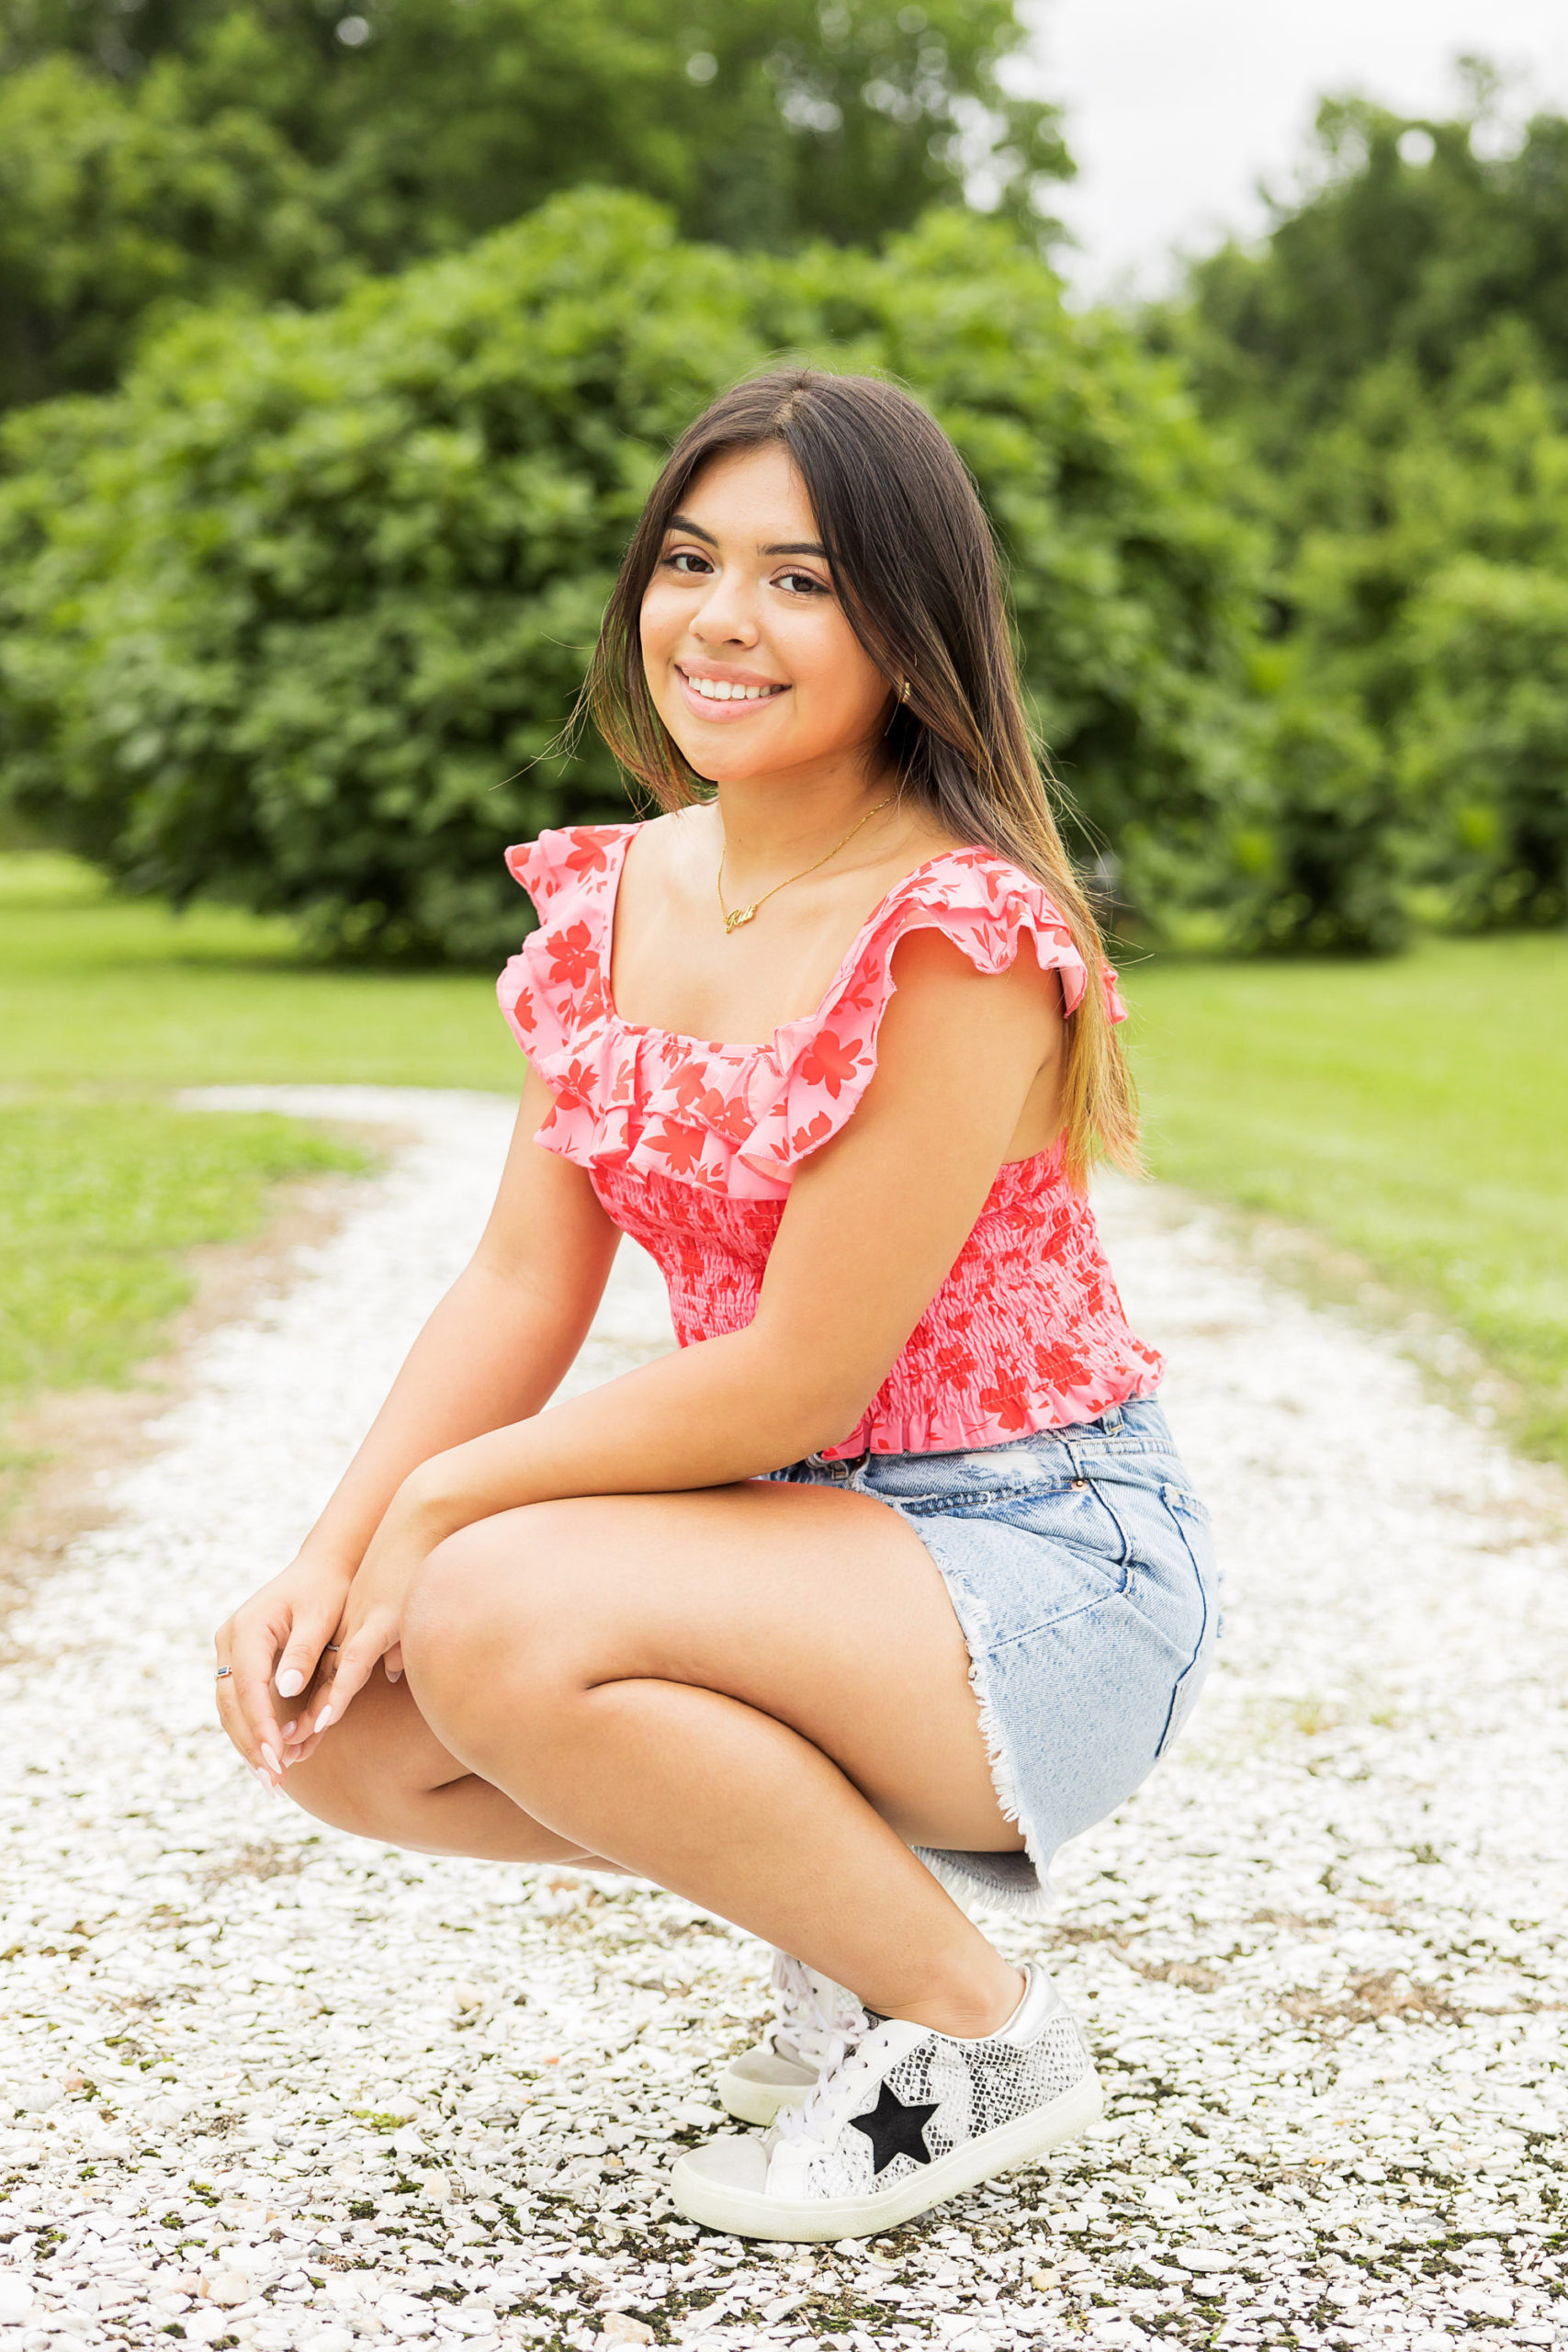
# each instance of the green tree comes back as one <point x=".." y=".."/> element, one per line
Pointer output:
<point x="189" y="149"/>
<point x="298" y="616"/>
<point x="1413" y="239"/>
<point x="1394" y="356"/>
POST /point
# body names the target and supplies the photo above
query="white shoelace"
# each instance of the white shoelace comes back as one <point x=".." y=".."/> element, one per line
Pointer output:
<point x="804" y="2028"/>
<point x="837" y="2092"/>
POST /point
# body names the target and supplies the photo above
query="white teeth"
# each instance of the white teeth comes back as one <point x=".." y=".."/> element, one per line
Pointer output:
<point x="725" y="690"/>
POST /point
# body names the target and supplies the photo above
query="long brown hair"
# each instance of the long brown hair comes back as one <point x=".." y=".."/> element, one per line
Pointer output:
<point x="916" y="571"/>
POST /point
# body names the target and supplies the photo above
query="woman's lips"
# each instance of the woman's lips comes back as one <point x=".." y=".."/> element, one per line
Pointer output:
<point x="721" y="711"/>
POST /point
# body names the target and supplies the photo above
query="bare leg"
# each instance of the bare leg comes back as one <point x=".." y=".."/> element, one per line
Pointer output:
<point x="385" y="1775"/>
<point x="755" y="1695"/>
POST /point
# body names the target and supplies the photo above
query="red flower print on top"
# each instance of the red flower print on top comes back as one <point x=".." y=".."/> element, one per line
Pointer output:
<point x="813" y="1132"/>
<point x="1007" y="1400"/>
<point x="588" y="853"/>
<point x="688" y="1084"/>
<point x="827" y="1062"/>
<point x="571" y="956"/>
<point x="681" y="1148"/>
<point x="573" y="1087"/>
<point x="731" y="1120"/>
<point x="1060" y="1366"/>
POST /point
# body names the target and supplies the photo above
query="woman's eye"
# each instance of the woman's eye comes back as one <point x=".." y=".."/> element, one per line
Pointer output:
<point x="801" y="583"/>
<point x="687" y="561"/>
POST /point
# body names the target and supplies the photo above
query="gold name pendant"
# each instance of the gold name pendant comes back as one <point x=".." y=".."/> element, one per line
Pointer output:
<point x="734" y="918"/>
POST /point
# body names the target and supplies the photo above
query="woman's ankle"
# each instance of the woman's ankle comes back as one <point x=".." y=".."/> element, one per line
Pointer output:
<point x="966" y="2008"/>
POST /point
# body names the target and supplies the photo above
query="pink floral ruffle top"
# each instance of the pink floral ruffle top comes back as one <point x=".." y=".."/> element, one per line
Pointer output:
<point x="691" y="1146"/>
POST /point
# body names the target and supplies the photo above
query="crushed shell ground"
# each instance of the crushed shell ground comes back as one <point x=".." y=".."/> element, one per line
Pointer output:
<point x="262" y="2086"/>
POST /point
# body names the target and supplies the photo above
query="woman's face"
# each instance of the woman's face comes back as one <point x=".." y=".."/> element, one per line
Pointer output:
<point x="750" y="662"/>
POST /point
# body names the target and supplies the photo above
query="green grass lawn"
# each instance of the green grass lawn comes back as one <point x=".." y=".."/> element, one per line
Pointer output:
<point x="1413" y="1111"/>
<point x="99" y="1200"/>
<point x="1410" y="1111"/>
<point x="108" y="992"/>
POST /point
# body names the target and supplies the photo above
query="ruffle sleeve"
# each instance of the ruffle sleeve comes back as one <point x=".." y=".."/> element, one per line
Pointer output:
<point x="820" y="1066"/>
<point x="554" y="989"/>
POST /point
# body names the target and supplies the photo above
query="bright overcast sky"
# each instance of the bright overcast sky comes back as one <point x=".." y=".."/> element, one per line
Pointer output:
<point x="1176" y="108"/>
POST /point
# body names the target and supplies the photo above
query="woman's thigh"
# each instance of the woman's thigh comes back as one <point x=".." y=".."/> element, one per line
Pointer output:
<point x="818" y="1607"/>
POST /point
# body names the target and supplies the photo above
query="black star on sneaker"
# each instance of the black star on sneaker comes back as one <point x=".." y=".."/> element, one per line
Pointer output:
<point x="895" y="2130"/>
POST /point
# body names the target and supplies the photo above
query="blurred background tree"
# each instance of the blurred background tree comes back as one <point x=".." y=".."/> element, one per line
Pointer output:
<point x="297" y="617"/>
<point x="197" y="151"/>
<point x="1393" y="359"/>
<point x="311" y="573"/>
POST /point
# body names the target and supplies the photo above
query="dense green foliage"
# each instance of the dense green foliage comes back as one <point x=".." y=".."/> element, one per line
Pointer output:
<point x="212" y="150"/>
<point x="1394" y="356"/>
<point x="298" y="616"/>
<point x="1414" y="241"/>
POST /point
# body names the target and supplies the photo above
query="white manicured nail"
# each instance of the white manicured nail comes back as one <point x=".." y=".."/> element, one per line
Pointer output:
<point x="323" y="1719"/>
<point x="290" y="1682"/>
<point x="270" y="1759"/>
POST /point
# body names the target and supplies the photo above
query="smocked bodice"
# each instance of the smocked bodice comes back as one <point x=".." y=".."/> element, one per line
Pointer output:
<point x="691" y="1146"/>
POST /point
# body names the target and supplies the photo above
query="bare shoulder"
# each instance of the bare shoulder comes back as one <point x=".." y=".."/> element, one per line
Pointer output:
<point x="666" y="847"/>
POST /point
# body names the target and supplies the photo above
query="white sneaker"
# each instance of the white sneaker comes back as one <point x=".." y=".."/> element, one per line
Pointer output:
<point x="900" y="2117"/>
<point x="778" y="2071"/>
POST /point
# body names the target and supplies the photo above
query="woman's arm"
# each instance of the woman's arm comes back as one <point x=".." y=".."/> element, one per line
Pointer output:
<point x="492" y="1353"/>
<point x="872" y="1226"/>
<point x="500" y="1343"/>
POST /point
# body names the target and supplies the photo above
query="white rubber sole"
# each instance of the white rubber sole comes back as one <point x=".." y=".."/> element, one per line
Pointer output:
<point x="751" y="2102"/>
<point x="752" y="2213"/>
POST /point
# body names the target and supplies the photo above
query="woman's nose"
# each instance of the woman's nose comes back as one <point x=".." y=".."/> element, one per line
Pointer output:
<point x="725" y="616"/>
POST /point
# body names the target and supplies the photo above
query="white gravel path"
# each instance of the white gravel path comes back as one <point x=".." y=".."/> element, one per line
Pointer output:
<point x="285" y="2089"/>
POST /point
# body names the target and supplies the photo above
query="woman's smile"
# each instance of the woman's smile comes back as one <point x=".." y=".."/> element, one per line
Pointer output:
<point x="718" y="690"/>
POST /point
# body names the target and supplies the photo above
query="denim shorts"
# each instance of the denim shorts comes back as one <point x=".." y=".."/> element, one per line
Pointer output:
<point x="1081" y="1570"/>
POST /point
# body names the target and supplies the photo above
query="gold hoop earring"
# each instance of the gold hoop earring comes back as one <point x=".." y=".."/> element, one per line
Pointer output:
<point x="904" y="691"/>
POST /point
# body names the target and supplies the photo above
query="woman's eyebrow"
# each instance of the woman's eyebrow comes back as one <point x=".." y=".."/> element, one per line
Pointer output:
<point x="780" y="547"/>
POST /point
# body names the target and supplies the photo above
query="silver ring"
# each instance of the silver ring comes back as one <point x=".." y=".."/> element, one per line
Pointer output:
<point x="222" y="1672"/>
<point x="332" y="1646"/>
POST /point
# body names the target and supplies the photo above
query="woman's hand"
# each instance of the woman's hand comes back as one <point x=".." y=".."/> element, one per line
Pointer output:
<point x="284" y="1628"/>
<point x="369" y="1623"/>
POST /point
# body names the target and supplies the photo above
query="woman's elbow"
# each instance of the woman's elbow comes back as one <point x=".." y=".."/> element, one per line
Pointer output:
<point x="813" y="1406"/>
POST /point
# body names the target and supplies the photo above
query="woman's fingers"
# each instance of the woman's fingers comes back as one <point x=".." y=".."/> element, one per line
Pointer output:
<point x="244" y="1704"/>
<point x="306" y="1649"/>
<point x="361" y="1647"/>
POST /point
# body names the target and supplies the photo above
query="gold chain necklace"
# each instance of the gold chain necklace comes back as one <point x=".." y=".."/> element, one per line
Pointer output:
<point x="733" y="919"/>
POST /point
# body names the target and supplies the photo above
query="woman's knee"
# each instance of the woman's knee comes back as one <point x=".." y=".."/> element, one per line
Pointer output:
<point x="493" y="1604"/>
